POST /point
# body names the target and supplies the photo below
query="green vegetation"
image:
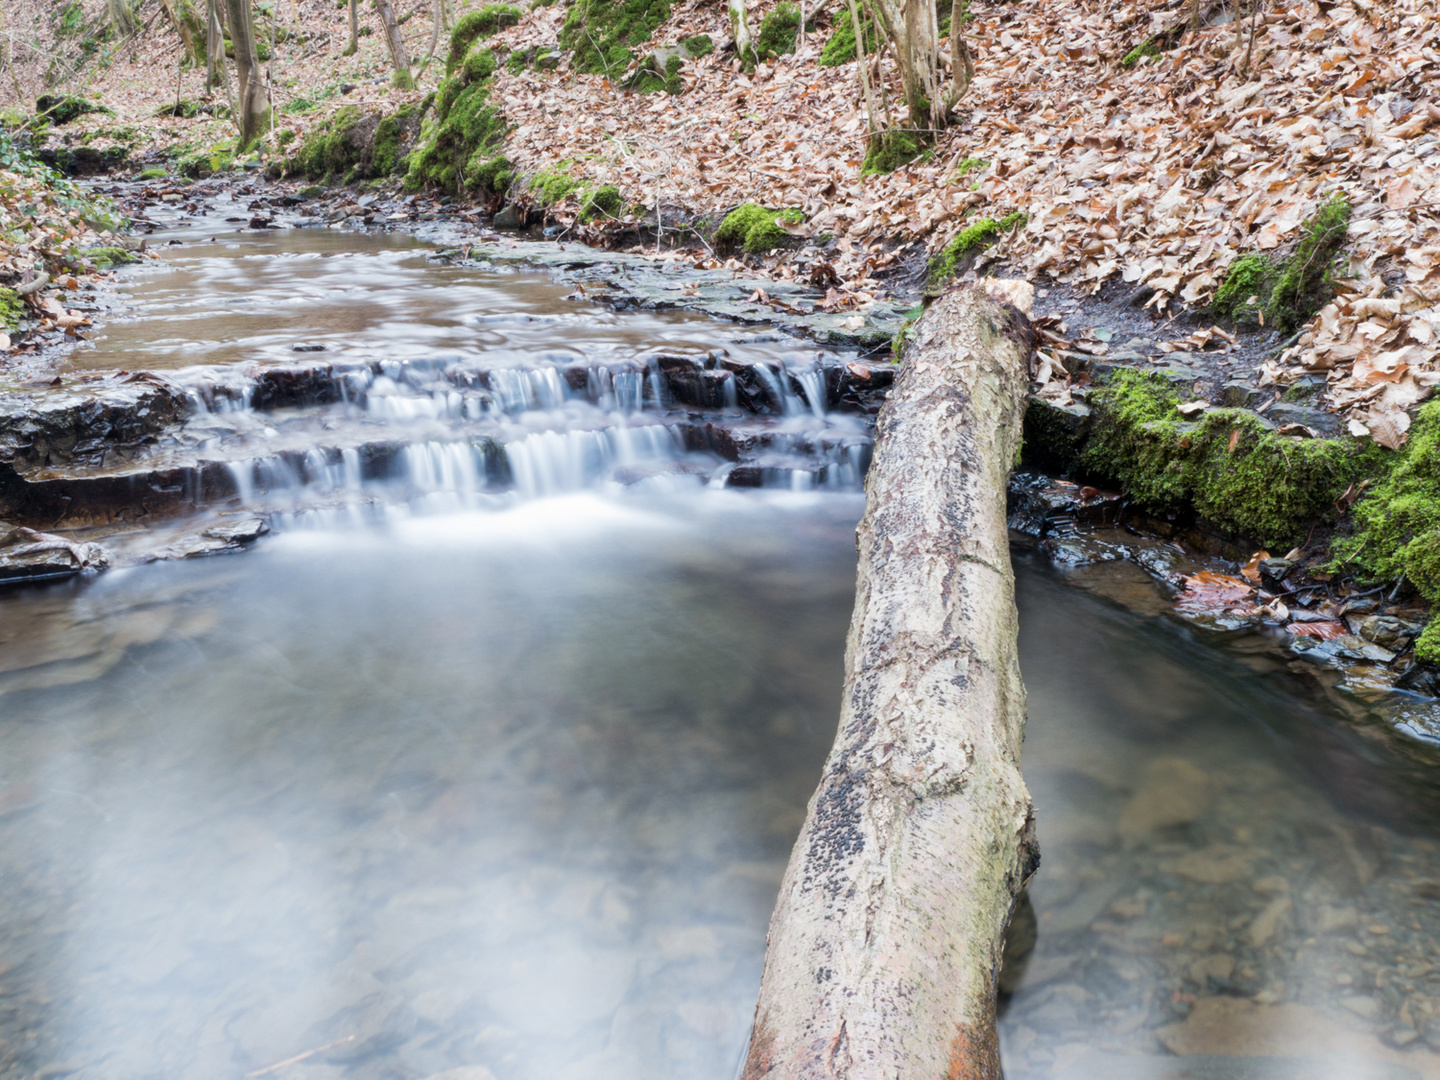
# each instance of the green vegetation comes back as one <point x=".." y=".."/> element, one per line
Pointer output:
<point x="188" y="108"/>
<point x="889" y="150"/>
<point x="12" y="308"/>
<point x="1228" y="465"/>
<point x="603" y="201"/>
<point x="1140" y="52"/>
<point x="753" y="227"/>
<point x="390" y="132"/>
<point x="840" y="49"/>
<point x="154" y="173"/>
<point x="969" y="165"/>
<point x="553" y="184"/>
<point x="651" y="81"/>
<point x="698" y="46"/>
<point x="601" y="32"/>
<point x="1284" y="295"/>
<point x="284" y="137"/>
<point x="969" y="242"/>
<point x="63" y="108"/>
<point x="103" y="258"/>
<point x="897" y="346"/>
<point x="777" y="33"/>
<point x="460" y="149"/>
<point x="477" y="24"/>
<point x="1397" y="524"/>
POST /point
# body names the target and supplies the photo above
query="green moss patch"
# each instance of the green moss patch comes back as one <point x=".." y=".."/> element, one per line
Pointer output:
<point x="778" y="31"/>
<point x="1228" y="466"/>
<point x="889" y="150"/>
<point x="602" y="202"/>
<point x="698" y="46"/>
<point x="461" y="149"/>
<point x="969" y="242"/>
<point x="103" y="258"/>
<point x="63" y="108"/>
<point x="489" y="20"/>
<point x="840" y="49"/>
<point x="355" y="145"/>
<point x="602" y="32"/>
<point x="1148" y="50"/>
<point x="154" y="173"/>
<point x="12" y="308"/>
<point x="551" y="185"/>
<point x="753" y="228"/>
<point x="1396" y="524"/>
<point x="1285" y="294"/>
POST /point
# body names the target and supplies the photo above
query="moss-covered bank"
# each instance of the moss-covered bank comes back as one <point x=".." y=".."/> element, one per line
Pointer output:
<point x="460" y="149"/>
<point x="1229" y="466"/>
<point x="1394" y="532"/>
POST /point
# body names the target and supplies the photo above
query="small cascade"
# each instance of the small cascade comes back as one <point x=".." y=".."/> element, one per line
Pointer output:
<point x="776" y="388"/>
<point x="812" y="386"/>
<point x="551" y="462"/>
<point x="453" y="468"/>
<point x="522" y="389"/>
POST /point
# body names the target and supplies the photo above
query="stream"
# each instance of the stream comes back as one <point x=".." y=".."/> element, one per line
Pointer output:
<point x="485" y="764"/>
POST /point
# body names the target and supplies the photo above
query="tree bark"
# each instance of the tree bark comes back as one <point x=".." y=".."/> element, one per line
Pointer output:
<point x="253" y="116"/>
<point x="354" y="45"/>
<point x="740" y="29"/>
<point x="887" y="936"/>
<point x="396" y="44"/>
<point x="187" y="24"/>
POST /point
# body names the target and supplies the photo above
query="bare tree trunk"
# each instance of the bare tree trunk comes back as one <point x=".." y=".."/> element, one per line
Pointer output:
<point x="396" y="44"/>
<point x="886" y="940"/>
<point x="121" y="17"/>
<point x="354" y="46"/>
<point x="253" y="113"/>
<point x="187" y="24"/>
<point x="740" y="30"/>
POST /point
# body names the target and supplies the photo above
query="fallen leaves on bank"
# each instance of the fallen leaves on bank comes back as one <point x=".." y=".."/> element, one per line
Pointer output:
<point x="1159" y="176"/>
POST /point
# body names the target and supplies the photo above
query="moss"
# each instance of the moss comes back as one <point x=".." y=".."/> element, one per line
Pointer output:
<point x="154" y="173"/>
<point x="551" y="185"/>
<point x="1140" y="52"/>
<point x="323" y="151"/>
<point x="889" y="150"/>
<point x="1284" y="295"/>
<point x="478" y="24"/>
<point x="63" y="108"/>
<point x="603" y="201"/>
<point x="753" y="227"/>
<point x="187" y="108"/>
<point x="969" y="165"/>
<point x="284" y="137"/>
<point x="102" y="258"/>
<point x="969" y="242"/>
<point x="1246" y="286"/>
<point x="698" y="46"/>
<point x="601" y="32"/>
<point x="897" y="346"/>
<point x="461" y="149"/>
<point x="12" y="308"/>
<point x="777" y="32"/>
<point x="1229" y="467"/>
<point x="1396" y="524"/>
<point x="386" y="158"/>
<point x="652" y="81"/>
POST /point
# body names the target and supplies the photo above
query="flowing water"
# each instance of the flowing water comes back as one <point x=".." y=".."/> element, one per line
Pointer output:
<point x="488" y="762"/>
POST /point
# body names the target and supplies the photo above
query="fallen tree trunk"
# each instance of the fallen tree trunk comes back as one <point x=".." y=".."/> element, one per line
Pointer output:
<point x="886" y="941"/>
